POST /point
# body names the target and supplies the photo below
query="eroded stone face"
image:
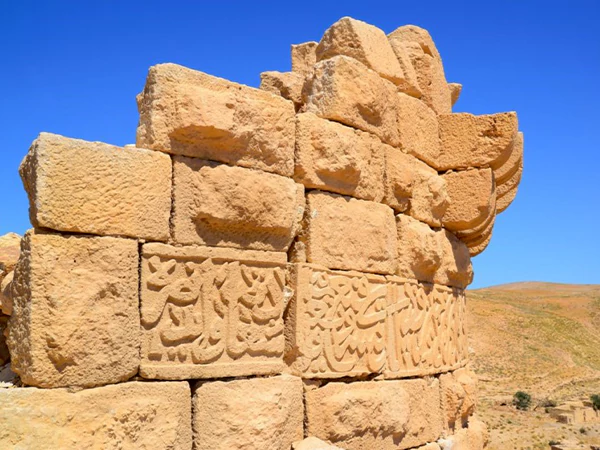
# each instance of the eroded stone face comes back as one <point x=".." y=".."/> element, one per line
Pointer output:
<point x="211" y="312"/>
<point x="258" y="413"/>
<point x="360" y="415"/>
<point x="304" y="57"/>
<point x="128" y="416"/>
<point x="96" y="188"/>
<point x="349" y="234"/>
<point x="75" y="318"/>
<point x="190" y="113"/>
<point x="286" y="84"/>
<point x="219" y="205"/>
<point x="459" y="396"/>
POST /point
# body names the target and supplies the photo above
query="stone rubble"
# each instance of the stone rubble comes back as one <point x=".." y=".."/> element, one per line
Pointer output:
<point x="274" y="268"/>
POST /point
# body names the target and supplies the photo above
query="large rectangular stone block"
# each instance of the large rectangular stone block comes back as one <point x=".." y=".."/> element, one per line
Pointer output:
<point x="127" y="416"/>
<point x="257" y="413"/>
<point x="335" y="323"/>
<point x="211" y="312"/>
<point x="96" y="188"/>
<point x="219" y="205"/>
<point x="336" y="158"/>
<point x="425" y="328"/>
<point x="375" y="414"/>
<point x="349" y="234"/>
<point x="190" y="113"/>
<point x="75" y="318"/>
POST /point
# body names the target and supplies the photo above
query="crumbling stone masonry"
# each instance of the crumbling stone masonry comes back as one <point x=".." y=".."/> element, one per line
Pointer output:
<point x="264" y="265"/>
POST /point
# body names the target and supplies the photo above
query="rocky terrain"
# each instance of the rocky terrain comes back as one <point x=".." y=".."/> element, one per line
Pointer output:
<point x="543" y="339"/>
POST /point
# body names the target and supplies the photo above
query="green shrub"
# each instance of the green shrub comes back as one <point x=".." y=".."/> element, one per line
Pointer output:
<point x="522" y="400"/>
<point x="595" y="401"/>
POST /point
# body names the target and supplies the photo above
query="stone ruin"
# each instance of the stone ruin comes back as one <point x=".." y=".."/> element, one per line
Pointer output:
<point x="269" y="268"/>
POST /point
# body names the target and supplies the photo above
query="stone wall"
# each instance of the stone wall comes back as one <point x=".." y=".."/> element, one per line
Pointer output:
<point x="264" y="265"/>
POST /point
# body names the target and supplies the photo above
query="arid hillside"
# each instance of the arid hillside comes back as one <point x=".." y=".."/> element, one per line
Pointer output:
<point x="543" y="339"/>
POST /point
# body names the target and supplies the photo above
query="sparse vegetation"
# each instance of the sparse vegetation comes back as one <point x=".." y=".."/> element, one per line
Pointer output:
<point x="522" y="400"/>
<point x="595" y="402"/>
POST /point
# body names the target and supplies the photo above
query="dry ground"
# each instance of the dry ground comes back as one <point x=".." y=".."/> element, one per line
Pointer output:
<point x="541" y="338"/>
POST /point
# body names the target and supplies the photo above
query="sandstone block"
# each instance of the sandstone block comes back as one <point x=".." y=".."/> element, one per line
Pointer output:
<point x="475" y="437"/>
<point x="304" y="57"/>
<point x="190" y="113"/>
<point x="455" y="90"/>
<point x="258" y="413"/>
<point x="413" y="187"/>
<point x="459" y="396"/>
<point x="5" y="294"/>
<point x="344" y="90"/>
<point x="511" y="183"/>
<point x="418" y="129"/>
<point x="504" y="169"/>
<point x="335" y="323"/>
<point x="361" y="416"/>
<point x="425" y="328"/>
<point x="410" y="84"/>
<point x="471" y="199"/>
<point x="219" y="205"/>
<point x="416" y="35"/>
<point x="10" y="247"/>
<point x="128" y="416"/>
<point x="336" y="158"/>
<point x="75" y="318"/>
<point x="456" y="269"/>
<point x="474" y="141"/>
<point x="479" y="244"/>
<point x="211" y="312"/>
<point x="286" y="84"/>
<point x="349" y="234"/>
<point x="363" y="42"/>
<point x="96" y="188"/>
<point x="313" y="443"/>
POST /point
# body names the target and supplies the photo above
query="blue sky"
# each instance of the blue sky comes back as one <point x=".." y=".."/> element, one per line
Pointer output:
<point x="74" y="68"/>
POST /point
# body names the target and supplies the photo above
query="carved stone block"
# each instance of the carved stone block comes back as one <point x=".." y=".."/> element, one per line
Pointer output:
<point x="219" y="205"/>
<point x="336" y="323"/>
<point x="425" y="328"/>
<point x="211" y="312"/>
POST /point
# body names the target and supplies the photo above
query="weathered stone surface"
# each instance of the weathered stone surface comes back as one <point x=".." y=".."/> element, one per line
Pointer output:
<point x="211" y="312"/>
<point x="286" y="84"/>
<point x="75" y="318"/>
<point x="336" y="158"/>
<point x="468" y="140"/>
<point x="459" y="396"/>
<point x="410" y="84"/>
<point x="5" y="294"/>
<point x="418" y="129"/>
<point x="434" y="256"/>
<point x="479" y="244"/>
<point x="4" y="354"/>
<point x="10" y="247"/>
<point x="425" y="328"/>
<point x="335" y="323"/>
<point x="470" y="198"/>
<point x="96" y="188"/>
<point x="258" y="413"/>
<point x="504" y="202"/>
<point x="361" y="416"/>
<point x="511" y="183"/>
<point x="219" y="205"/>
<point x="413" y="187"/>
<point x="349" y="234"/>
<point x="475" y="437"/>
<point x="128" y="416"/>
<point x="455" y="90"/>
<point x="344" y="90"/>
<point x="504" y="169"/>
<point x="363" y="42"/>
<point x="313" y="443"/>
<point x="190" y="113"/>
<point x="416" y="35"/>
<point x="304" y="57"/>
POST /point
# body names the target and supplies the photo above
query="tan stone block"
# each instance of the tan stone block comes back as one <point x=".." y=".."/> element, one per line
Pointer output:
<point x="363" y="42"/>
<point x="344" y="90"/>
<point x="335" y="323"/>
<point x="471" y="199"/>
<point x="127" y="416"/>
<point x="96" y="188"/>
<point x="475" y="141"/>
<point x="75" y="318"/>
<point x="511" y="183"/>
<point x="258" y="413"/>
<point x="418" y="129"/>
<point x="424" y="328"/>
<point x="304" y="57"/>
<point x="219" y="205"/>
<point x="455" y="90"/>
<point x="336" y="158"/>
<point x="313" y="443"/>
<point x="361" y="416"/>
<point x="475" y="437"/>
<point x="286" y="84"/>
<point x="456" y="269"/>
<point x="211" y="312"/>
<point x="349" y="234"/>
<point x="459" y="397"/>
<point x="5" y="294"/>
<point x="505" y="201"/>
<point x="504" y="169"/>
<point x="478" y="245"/>
<point x="410" y="84"/>
<point x="414" y="187"/>
<point x="190" y="113"/>
<point x="10" y="247"/>
<point x="419" y="249"/>
<point x="416" y="35"/>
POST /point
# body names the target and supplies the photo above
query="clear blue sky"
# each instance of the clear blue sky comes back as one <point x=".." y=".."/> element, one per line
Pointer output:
<point x="74" y="68"/>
